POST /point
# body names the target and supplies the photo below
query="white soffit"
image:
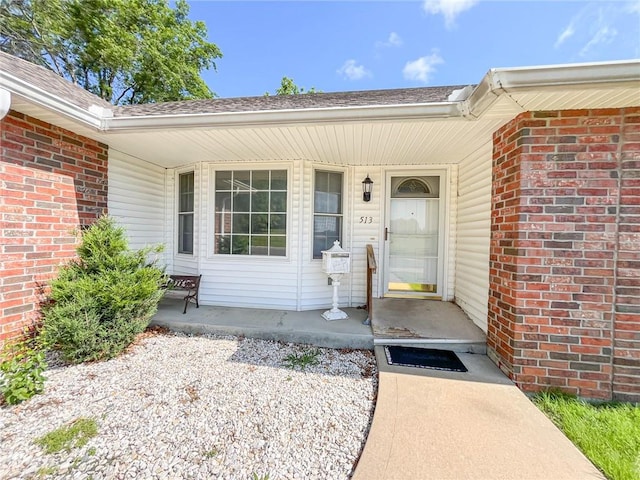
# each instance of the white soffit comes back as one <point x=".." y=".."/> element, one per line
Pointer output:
<point x="392" y="143"/>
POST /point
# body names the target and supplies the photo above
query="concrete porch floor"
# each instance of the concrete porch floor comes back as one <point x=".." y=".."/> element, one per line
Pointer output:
<point x="425" y="323"/>
<point x="395" y="321"/>
<point x="286" y="326"/>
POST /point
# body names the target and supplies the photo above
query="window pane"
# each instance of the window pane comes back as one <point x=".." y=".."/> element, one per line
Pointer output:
<point x="328" y="202"/>
<point x="185" y="233"/>
<point x="278" y="201"/>
<point x="278" y="246"/>
<point x="185" y="192"/>
<point x="241" y="202"/>
<point x="326" y="230"/>
<point x="260" y="180"/>
<point x="328" y="192"/>
<point x="260" y="202"/>
<point x="240" y="244"/>
<point x="260" y="223"/>
<point x="278" y="224"/>
<point x="278" y="180"/>
<point x="223" y="180"/>
<point x="242" y="180"/>
<point x="223" y="244"/>
<point x="322" y="181"/>
<point x="240" y="223"/>
<point x="259" y="245"/>
<point x="250" y="217"/>
<point x="335" y="183"/>
<point x="327" y="199"/>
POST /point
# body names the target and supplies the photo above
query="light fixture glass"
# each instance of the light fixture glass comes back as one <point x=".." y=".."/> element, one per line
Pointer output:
<point x="367" y="187"/>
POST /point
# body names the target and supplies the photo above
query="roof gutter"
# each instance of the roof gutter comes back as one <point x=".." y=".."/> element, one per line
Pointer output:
<point x="91" y="117"/>
<point x="501" y="81"/>
<point x="440" y="110"/>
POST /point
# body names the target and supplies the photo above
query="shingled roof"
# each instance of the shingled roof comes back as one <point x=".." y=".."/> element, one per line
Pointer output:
<point x="54" y="84"/>
<point x="401" y="96"/>
<point x="49" y="81"/>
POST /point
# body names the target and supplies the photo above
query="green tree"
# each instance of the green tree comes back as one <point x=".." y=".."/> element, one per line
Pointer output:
<point x="289" y="87"/>
<point x="125" y="51"/>
<point x="101" y="301"/>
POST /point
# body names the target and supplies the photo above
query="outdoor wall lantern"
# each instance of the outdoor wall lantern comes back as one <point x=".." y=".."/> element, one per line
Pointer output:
<point x="367" y="186"/>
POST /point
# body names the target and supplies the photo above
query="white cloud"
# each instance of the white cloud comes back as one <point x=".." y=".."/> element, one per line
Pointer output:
<point x="593" y="27"/>
<point x="450" y="9"/>
<point x="394" y="40"/>
<point x="422" y="68"/>
<point x="603" y="36"/>
<point x="351" y="70"/>
<point x="566" y="33"/>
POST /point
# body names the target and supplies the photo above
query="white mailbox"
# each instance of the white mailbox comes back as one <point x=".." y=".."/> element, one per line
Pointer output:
<point x="335" y="263"/>
<point x="336" y="260"/>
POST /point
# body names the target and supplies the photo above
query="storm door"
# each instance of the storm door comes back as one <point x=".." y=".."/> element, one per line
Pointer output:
<point x="413" y="236"/>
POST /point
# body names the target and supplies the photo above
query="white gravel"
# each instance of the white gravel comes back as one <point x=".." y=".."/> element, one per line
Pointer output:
<point x="199" y="407"/>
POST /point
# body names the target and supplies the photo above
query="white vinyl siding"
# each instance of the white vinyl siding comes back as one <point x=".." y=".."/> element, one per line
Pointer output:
<point x="364" y="229"/>
<point x="136" y="198"/>
<point x="473" y="235"/>
<point x="248" y="281"/>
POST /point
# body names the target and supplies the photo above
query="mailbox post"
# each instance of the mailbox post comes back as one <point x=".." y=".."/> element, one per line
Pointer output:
<point x="335" y="263"/>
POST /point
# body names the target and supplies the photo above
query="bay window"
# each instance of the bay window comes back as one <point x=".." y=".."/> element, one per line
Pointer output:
<point x="251" y="212"/>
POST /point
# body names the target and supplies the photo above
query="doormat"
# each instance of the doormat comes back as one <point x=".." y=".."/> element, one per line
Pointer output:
<point x="423" y="358"/>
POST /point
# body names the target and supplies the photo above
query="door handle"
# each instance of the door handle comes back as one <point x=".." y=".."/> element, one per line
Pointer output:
<point x="386" y="234"/>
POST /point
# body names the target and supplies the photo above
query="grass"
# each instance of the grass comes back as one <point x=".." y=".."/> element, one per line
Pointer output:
<point x="74" y="435"/>
<point x="608" y="433"/>
<point x="303" y="360"/>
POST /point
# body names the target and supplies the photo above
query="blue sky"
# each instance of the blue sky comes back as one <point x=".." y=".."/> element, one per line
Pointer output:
<point x="364" y="45"/>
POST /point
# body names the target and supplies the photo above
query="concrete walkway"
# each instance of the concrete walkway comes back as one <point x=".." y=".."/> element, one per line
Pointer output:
<point x="430" y="424"/>
<point x="427" y="424"/>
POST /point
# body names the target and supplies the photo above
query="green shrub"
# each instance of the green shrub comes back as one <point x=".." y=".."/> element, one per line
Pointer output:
<point x="22" y="364"/>
<point x="101" y="301"/>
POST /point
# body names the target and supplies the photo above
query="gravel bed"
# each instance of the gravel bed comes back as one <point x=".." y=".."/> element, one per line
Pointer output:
<point x="199" y="407"/>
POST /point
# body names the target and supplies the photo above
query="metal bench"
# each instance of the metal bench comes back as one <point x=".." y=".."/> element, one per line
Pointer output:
<point x="188" y="283"/>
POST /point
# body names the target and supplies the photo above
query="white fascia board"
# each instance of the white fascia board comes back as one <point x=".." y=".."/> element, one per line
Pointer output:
<point x="500" y="81"/>
<point x="440" y="110"/>
<point x="579" y="75"/>
<point x="49" y="101"/>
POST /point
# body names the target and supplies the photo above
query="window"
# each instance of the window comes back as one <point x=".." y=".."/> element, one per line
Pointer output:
<point x="327" y="211"/>
<point x="251" y="212"/>
<point x="185" y="212"/>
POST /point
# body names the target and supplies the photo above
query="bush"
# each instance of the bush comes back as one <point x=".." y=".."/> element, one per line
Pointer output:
<point x="101" y="301"/>
<point x="22" y="364"/>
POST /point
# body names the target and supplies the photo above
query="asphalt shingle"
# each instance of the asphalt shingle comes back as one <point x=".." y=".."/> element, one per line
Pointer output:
<point x="54" y="84"/>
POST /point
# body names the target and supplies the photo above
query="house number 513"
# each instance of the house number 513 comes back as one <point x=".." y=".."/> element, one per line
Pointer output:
<point x="366" y="219"/>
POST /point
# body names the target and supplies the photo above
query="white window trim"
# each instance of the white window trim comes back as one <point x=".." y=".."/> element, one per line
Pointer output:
<point x="176" y="211"/>
<point x="222" y="257"/>
<point x="331" y="169"/>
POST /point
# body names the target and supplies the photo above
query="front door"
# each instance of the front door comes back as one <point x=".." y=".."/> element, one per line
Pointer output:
<point x="413" y="236"/>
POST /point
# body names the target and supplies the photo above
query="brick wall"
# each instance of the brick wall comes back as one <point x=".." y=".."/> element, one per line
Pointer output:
<point x="564" y="303"/>
<point x="52" y="183"/>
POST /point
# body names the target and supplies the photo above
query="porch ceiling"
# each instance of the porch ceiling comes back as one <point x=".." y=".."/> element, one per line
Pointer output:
<point x="378" y="143"/>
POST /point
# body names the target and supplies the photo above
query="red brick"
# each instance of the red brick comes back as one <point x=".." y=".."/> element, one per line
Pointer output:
<point x="39" y="198"/>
